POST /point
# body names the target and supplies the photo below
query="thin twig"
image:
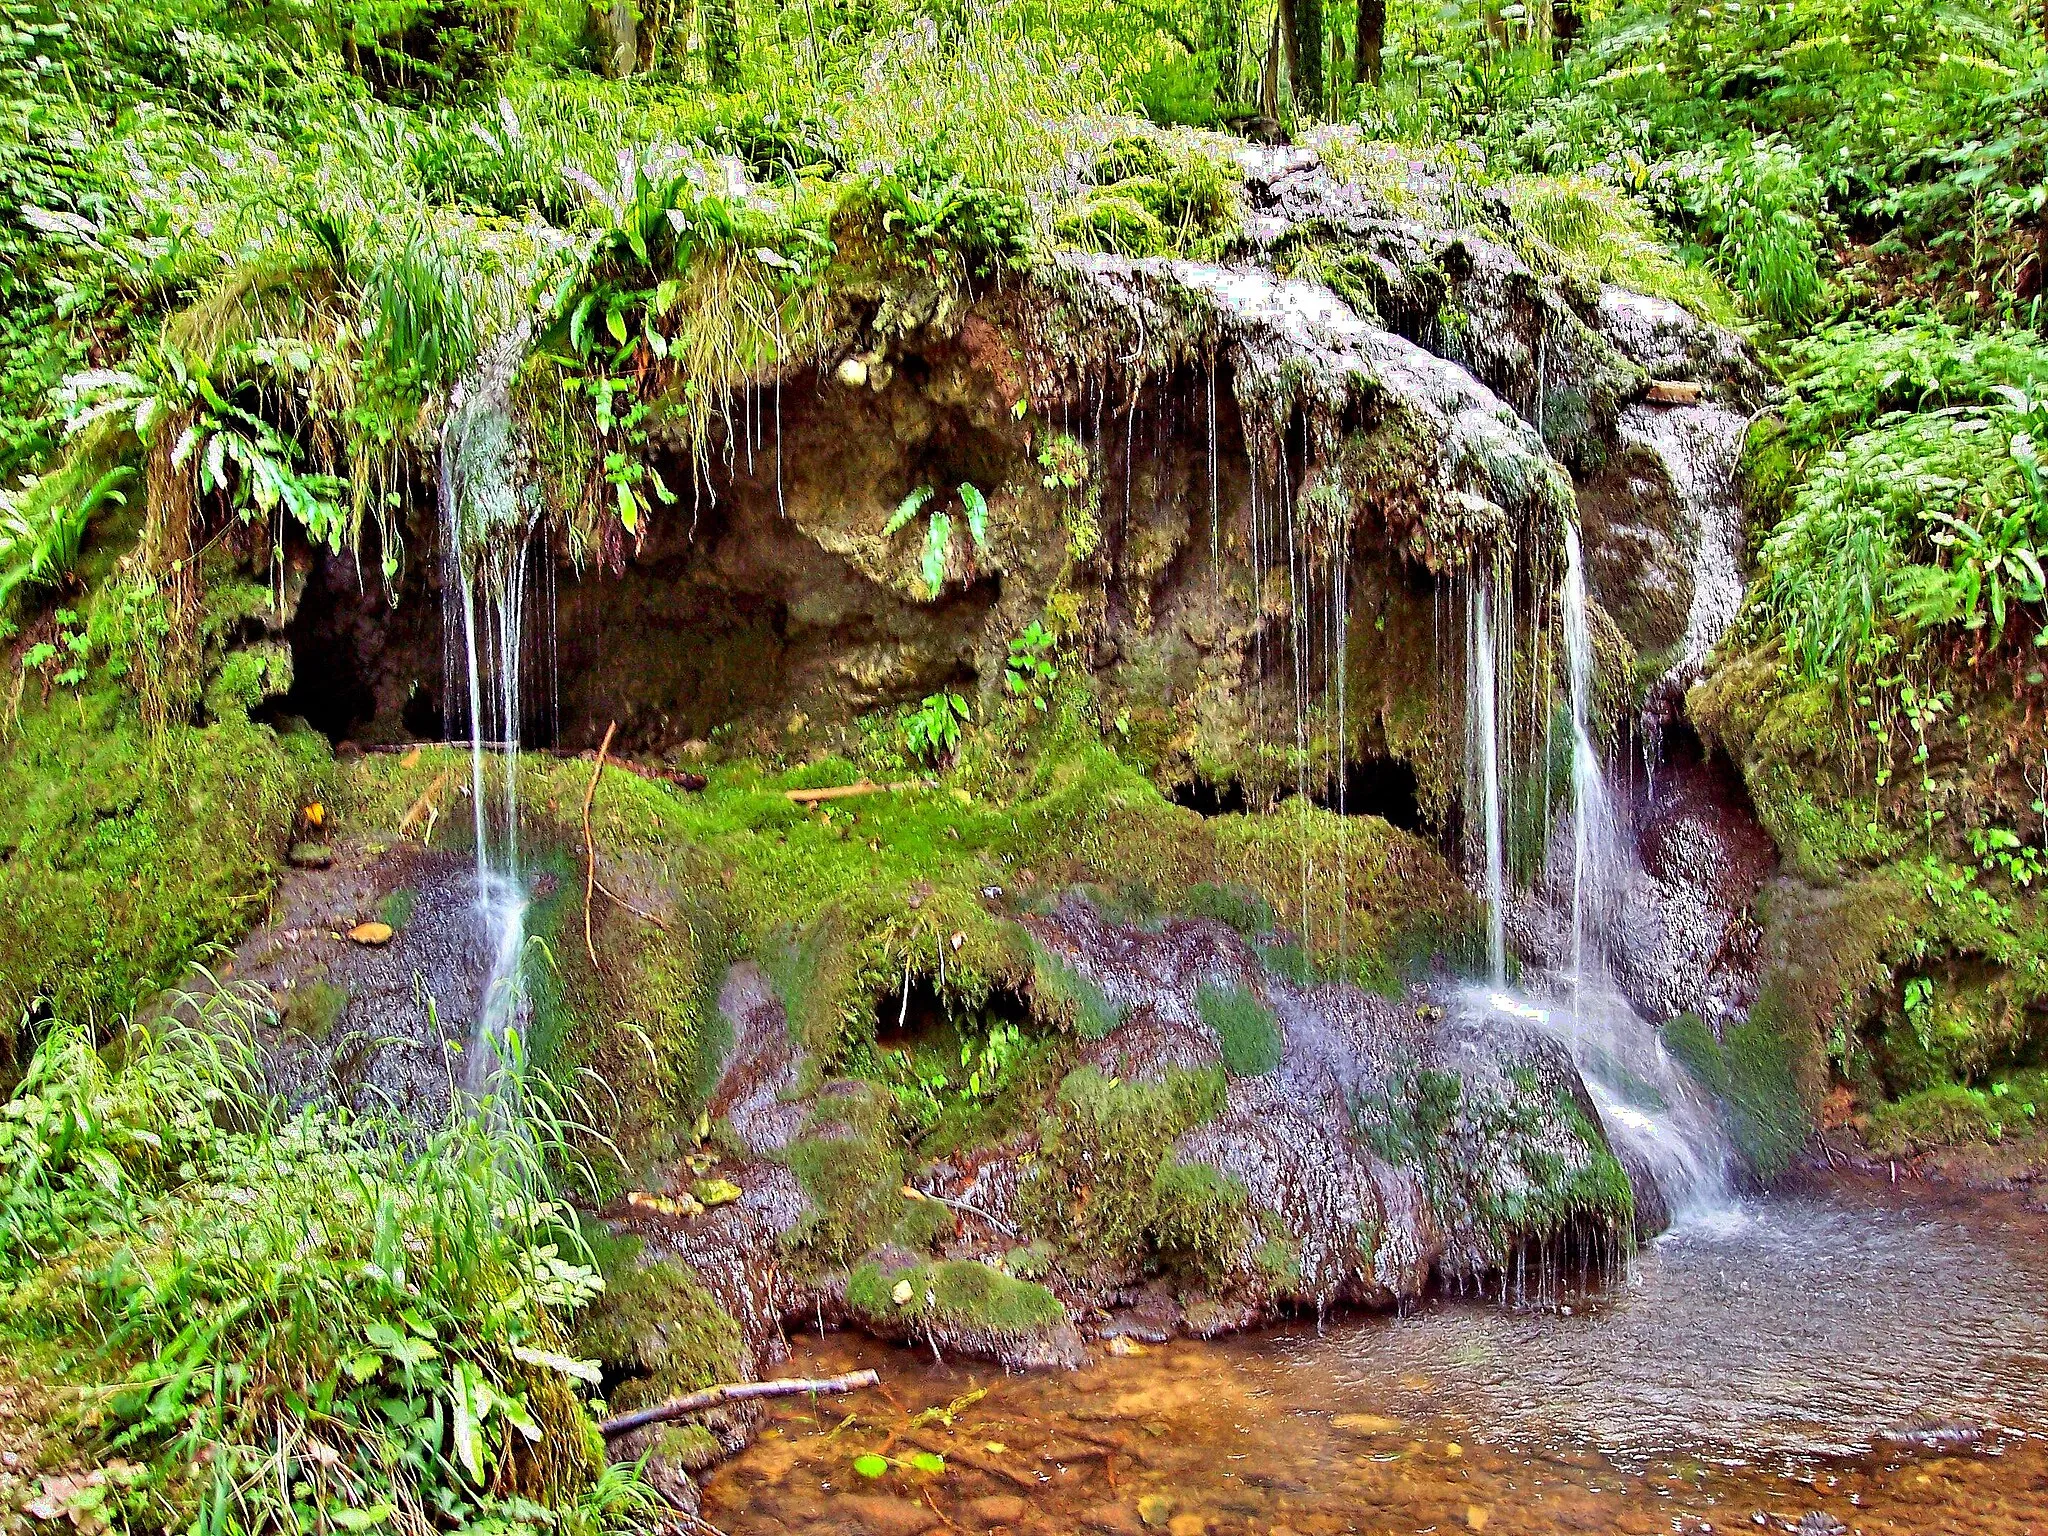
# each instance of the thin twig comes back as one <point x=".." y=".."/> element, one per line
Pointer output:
<point x="735" y="1392"/>
<point x="974" y="1210"/>
<point x="848" y="791"/>
<point x="645" y="917"/>
<point x="590" y="843"/>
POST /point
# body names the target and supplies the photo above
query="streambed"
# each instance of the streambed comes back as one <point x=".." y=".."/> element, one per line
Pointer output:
<point x="1848" y="1355"/>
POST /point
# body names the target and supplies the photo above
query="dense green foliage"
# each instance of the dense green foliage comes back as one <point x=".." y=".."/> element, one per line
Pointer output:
<point x="247" y="252"/>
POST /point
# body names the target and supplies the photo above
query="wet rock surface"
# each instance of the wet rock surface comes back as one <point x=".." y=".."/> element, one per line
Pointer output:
<point x="1328" y="1190"/>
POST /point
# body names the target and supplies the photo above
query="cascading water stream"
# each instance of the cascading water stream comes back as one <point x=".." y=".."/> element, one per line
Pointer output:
<point x="1483" y="763"/>
<point x="1647" y="1102"/>
<point x="485" y="537"/>
<point x="1660" y="1121"/>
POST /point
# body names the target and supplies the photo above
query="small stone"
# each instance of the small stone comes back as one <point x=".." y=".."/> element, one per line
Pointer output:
<point x="999" y="1509"/>
<point x="374" y="935"/>
<point x="1365" y="1424"/>
<point x="902" y="1293"/>
<point x="715" y="1192"/>
<point x="882" y="1516"/>
<point x="1475" y="1517"/>
<point x="310" y="856"/>
<point x="852" y="373"/>
<point x="1155" y="1509"/>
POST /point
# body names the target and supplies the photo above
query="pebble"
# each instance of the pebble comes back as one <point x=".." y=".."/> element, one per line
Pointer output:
<point x="999" y="1509"/>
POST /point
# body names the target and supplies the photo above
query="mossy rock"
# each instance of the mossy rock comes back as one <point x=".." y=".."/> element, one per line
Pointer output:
<point x="314" y="1007"/>
<point x="850" y="1164"/>
<point x="1750" y="1069"/>
<point x="128" y="853"/>
<point x="656" y="1325"/>
<point x="957" y="1292"/>
<point x="1107" y="1186"/>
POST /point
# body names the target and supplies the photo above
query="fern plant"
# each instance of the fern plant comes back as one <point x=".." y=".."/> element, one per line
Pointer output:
<point x="938" y="532"/>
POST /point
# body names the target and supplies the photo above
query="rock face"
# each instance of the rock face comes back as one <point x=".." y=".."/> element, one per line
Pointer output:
<point x="1214" y="478"/>
<point x="1252" y="501"/>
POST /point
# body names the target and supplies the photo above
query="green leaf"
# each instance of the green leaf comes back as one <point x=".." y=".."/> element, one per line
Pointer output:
<point x="906" y="509"/>
<point x="938" y="538"/>
<point x="870" y="1465"/>
<point x="359" y="1519"/>
<point x="977" y="515"/>
<point x="469" y="1434"/>
<point x="568" y="1365"/>
<point x="928" y="1461"/>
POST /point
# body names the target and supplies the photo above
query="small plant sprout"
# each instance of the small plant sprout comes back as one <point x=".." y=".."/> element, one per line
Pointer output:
<point x="1031" y="671"/>
<point x="931" y="732"/>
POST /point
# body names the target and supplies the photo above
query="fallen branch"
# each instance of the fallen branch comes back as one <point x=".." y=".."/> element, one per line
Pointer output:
<point x="735" y="1392"/>
<point x="424" y="804"/>
<point x="848" y="791"/>
<point x="590" y="843"/>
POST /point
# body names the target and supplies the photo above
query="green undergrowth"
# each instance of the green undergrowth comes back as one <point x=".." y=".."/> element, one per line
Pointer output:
<point x="227" y="1284"/>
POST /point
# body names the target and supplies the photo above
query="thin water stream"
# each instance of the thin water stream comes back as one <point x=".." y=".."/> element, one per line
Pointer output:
<point x="1843" y="1357"/>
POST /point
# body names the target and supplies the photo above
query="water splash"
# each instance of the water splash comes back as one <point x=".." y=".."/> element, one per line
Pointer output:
<point x="486" y="526"/>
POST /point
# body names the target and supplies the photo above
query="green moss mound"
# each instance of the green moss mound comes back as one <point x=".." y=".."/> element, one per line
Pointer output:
<point x="1245" y="1025"/>
<point x="129" y="855"/>
<point x="954" y="1292"/>
<point x="1947" y="1116"/>
<point x="1107" y="1186"/>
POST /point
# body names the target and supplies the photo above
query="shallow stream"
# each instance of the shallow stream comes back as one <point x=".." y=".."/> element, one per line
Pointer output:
<point x="1841" y="1359"/>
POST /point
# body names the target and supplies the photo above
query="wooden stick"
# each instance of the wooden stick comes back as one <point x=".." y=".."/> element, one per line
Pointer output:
<point x="590" y="843"/>
<point x="735" y="1392"/>
<point x="424" y="804"/>
<point x="848" y="791"/>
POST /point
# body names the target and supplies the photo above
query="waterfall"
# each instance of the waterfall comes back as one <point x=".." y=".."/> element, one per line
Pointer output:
<point x="485" y="535"/>
<point x="1594" y="867"/>
<point x="1484" y="714"/>
<point x="1658" y="1120"/>
<point x="1648" y="1104"/>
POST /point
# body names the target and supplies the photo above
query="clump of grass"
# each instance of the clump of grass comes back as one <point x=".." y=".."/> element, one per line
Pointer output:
<point x="1945" y="1116"/>
<point x="1584" y="228"/>
<point x="344" y="1321"/>
<point x="1245" y="1025"/>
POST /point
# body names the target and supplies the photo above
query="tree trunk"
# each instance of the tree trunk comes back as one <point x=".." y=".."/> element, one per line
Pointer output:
<point x="1220" y="25"/>
<point x="722" y="43"/>
<point x="1305" y="58"/>
<point x="1269" y="72"/>
<point x="619" y="25"/>
<point x="1565" y="22"/>
<point x="1371" y="42"/>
